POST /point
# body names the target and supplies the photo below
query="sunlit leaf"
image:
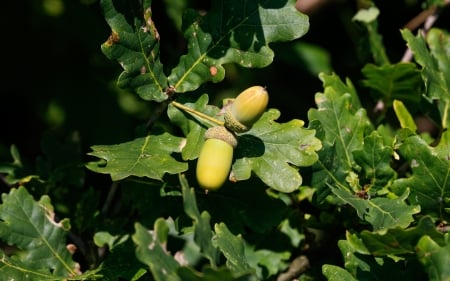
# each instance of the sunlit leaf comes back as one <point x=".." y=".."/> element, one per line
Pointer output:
<point x="341" y="125"/>
<point x="274" y="151"/>
<point x="382" y="213"/>
<point x="143" y="157"/>
<point x="336" y="273"/>
<point x="403" y="116"/>
<point x="234" y="32"/>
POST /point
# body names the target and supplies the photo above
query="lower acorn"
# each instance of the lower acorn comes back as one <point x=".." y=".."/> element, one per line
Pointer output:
<point x="215" y="159"/>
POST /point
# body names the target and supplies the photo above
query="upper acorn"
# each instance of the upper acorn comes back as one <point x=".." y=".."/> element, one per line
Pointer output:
<point x="246" y="109"/>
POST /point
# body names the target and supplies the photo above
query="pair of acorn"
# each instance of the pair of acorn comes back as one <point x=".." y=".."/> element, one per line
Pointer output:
<point x="216" y="155"/>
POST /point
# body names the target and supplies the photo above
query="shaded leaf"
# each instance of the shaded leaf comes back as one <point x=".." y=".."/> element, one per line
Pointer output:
<point x="430" y="180"/>
<point x="234" y="32"/>
<point x="364" y="266"/>
<point x="143" y="157"/>
<point x="103" y="238"/>
<point x="267" y="261"/>
<point x="273" y="151"/>
<point x="232" y="248"/>
<point x="201" y="223"/>
<point x="121" y="262"/>
<point x="435" y="70"/>
<point x="212" y="274"/>
<point x="400" y="81"/>
<point x="434" y="258"/>
<point x="134" y="44"/>
<point x="368" y="17"/>
<point x="31" y="227"/>
<point x="374" y="159"/>
<point x="400" y="241"/>
<point x="151" y="250"/>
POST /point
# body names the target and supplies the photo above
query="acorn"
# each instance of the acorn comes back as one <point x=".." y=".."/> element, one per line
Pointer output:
<point x="215" y="159"/>
<point x="246" y="109"/>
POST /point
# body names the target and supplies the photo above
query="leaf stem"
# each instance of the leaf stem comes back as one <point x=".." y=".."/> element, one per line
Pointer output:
<point x="197" y="113"/>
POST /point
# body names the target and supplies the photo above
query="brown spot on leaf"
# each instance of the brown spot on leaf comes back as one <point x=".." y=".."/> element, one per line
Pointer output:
<point x="213" y="70"/>
<point x="113" y="38"/>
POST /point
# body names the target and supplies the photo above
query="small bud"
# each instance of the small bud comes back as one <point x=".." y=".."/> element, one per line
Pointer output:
<point x="246" y="109"/>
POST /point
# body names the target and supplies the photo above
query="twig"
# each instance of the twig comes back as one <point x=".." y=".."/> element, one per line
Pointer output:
<point x="299" y="265"/>
<point x="427" y="18"/>
<point x="156" y="114"/>
<point x="110" y="197"/>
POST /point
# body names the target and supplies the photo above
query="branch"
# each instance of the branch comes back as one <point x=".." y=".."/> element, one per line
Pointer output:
<point x="426" y="18"/>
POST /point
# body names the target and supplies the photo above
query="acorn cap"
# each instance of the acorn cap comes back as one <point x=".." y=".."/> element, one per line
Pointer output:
<point x="221" y="133"/>
<point x="232" y="124"/>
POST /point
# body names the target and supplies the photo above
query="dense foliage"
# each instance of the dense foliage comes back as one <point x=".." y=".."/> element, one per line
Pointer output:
<point x="345" y="176"/>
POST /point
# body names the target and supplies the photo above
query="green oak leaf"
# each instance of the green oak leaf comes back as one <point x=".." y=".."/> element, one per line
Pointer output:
<point x="273" y="151"/>
<point x="201" y="223"/>
<point x="434" y="60"/>
<point x="211" y="274"/>
<point x="434" y="258"/>
<point x="400" y="241"/>
<point x="336" y="273"/>
<point x="232" y="247"/>
<point x="382" y="213"/>
<point x="363" y="265"/>
<point x="341" y="124"/>
<point x="400" y="81"/>
<point x="151" y="249"/>
<point x="149" y="156"/>
<point x="430" y="179"/>
<point x="233" y="32"/>
<point x="373" y="40"/>
<point x="266" y="262"/>
<point x="404" y="117"/>
<point x="374" y="159"/>
<point x="193" y="127"/>
<point x="41" y="241"/>
<point x="134" y="44"/>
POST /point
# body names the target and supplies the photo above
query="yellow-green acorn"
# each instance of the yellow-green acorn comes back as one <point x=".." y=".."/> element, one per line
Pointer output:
<point x="215" y="159"/>
<point x="246" y="109"/>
